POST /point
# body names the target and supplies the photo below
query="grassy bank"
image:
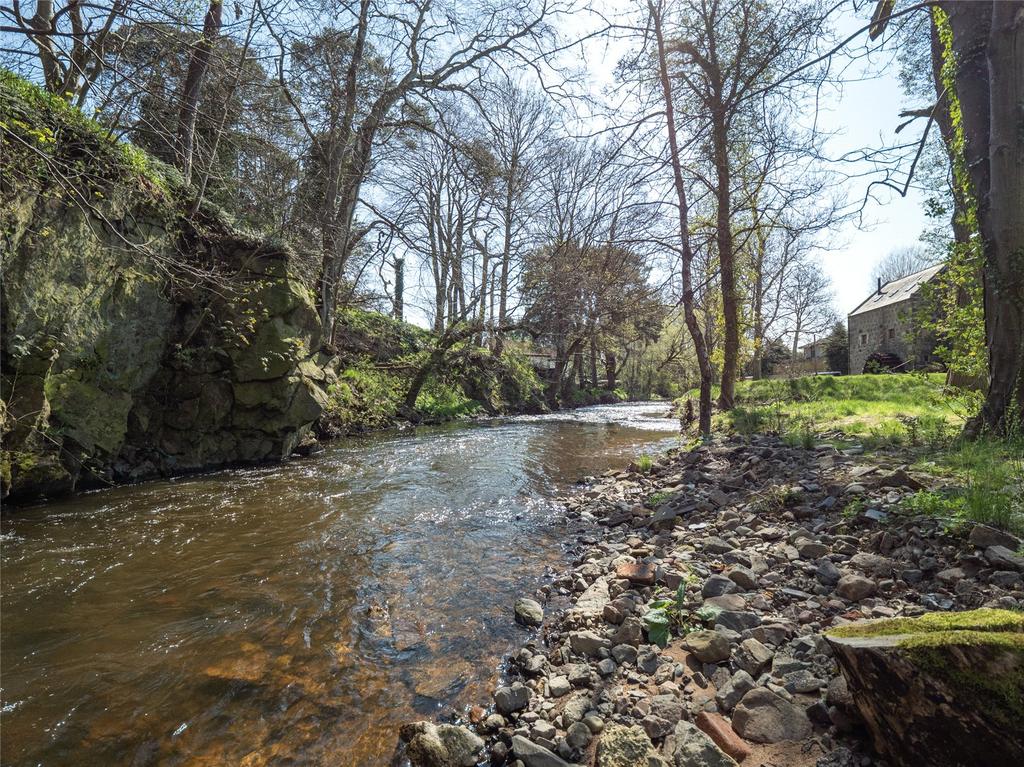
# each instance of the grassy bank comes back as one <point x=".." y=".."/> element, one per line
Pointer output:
<point x="379" y="357"/>
<point x="910" y="418"/>
<point x="877" y="410"/>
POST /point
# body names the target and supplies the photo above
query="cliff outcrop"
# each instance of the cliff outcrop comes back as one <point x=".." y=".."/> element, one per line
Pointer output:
<point x="139" y="338"/>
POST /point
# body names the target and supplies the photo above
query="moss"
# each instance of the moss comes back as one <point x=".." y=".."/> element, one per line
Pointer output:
<point x="985" y="619"/>
<point x="43" y="134"/>
<point x="992" y="641"/>
<point x="997" y="689"/>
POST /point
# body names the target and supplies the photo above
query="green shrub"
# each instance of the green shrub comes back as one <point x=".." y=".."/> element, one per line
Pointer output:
<point x="644" y="464"/>
<point x="440" y="399"/>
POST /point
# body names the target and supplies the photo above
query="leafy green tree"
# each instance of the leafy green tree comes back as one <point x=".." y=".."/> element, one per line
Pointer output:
<point x="837" y="349"/>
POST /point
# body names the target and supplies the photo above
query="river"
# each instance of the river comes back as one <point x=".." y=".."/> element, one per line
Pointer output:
<point x="290" y="614"/>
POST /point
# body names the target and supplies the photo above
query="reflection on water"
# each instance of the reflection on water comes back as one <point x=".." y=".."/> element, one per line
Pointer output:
<point x="288" y="614"/>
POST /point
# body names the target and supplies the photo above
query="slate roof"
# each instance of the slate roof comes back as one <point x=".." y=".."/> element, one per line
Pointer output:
<point x="897" y="291"/>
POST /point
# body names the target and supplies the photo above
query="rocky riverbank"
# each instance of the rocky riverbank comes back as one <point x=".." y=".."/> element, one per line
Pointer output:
<point x="692" y="629"/>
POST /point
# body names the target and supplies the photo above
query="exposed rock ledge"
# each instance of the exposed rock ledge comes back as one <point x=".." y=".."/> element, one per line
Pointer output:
<point x="137" y="340"/>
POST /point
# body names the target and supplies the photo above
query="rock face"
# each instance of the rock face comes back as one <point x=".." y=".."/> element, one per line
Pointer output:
<point x="138" y="341"/>
<point x="946" y="689"/>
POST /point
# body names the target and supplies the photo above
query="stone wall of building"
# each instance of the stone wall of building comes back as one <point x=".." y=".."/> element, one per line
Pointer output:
<point x="890" y="329"/>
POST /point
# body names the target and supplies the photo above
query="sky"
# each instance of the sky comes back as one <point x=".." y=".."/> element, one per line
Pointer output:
<point x="864" y="113"/>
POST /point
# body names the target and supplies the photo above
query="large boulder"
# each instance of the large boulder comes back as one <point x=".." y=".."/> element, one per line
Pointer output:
<point x="440" y="745"/>
<point x="622" y="746"/>
<point x="694" y="748"/>
<point x="764" y="717"/>
<point x="945" y="689"/>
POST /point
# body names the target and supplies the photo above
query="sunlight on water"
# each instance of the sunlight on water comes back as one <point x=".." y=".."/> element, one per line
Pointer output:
<point x="300" y="611"/>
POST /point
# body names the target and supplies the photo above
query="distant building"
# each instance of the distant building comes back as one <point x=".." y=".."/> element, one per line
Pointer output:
<point x="885" y="325"/>
<point x="816" y="350"/>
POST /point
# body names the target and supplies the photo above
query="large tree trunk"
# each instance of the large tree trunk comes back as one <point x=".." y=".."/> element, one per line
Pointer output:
<point x="726" y="260"/>
<point x="610" y="369"/>
<point x="686" y="252"/>
<point x="988" y="41"/>
<point x="198" y="66"/>
<point x="506" y="249"/>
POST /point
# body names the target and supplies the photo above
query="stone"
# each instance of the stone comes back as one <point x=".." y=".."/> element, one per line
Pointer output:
<point x="738" y="620"/>
<point x="440" y="745"/>
<point x="752" y="656"/>
<point x="631" y="632"/>
<point x="723" y="735"/>
<point x="730" y="693"/>
<point x="855" y="587"/>
<point x="607" y="667"/>
<point x="717" y="585"/>
<point x="637" y="572"/>
<point x="694" y="748"/>
<point x="588" y="643"/>
<point x="764" y="717"/>
<point x="802" y="681"/>
<point x="624" y="653"/>
<point x="511" y="699"/>
<point x="576" y="708"/>
<point x="811" y="549"/>
<point x="622" y="746"/>
<point x="873" y="564"/>
<point x="528" y="612"/>
<point x="827" y="573"/>
<point x="743" y="577"/>
<point x="983" y="536"/>
<point x="558" y="686"/>
<point x="708" y="646"/>
<point x="578" y="735"/>
<point x="542" y="729"/>
<point x="534" y="755"/>
<point x="907" y="675"/>
<point x="1002" y="558"/>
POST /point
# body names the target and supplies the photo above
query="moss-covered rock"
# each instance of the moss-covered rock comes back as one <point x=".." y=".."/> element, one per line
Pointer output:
<point x="944" y="689"/>
<point x="138" y="339"/>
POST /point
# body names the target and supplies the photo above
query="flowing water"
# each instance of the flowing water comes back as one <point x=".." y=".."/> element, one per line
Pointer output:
<point x="291" y="614"/>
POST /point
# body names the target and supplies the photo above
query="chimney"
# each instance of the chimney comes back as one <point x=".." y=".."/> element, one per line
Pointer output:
<point x="879" y="286"/>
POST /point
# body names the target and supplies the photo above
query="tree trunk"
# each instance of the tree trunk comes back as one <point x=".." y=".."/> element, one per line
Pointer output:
<point x="988" y="41"/>
<point x="198" y="66"/>
<point x="593" y="361"/>
<point x="700" y="348"/>
<point x="726" y="260"/>
<point x="399" y="301"/>
<point x="610" y="371"/>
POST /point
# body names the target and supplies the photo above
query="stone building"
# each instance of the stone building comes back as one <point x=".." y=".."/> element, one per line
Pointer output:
<point x="886" y="323"/>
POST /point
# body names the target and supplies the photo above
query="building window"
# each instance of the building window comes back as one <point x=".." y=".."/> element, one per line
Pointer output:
<point x="863" y="338"/>
<point x="892" y="332"/>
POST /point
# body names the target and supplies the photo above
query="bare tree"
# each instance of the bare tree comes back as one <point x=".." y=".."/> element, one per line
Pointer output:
<point x="900" y="263"/>
<point x="394" y="59"/>
<point x="656" y="11"/>
<point x="192" y="87"/>
<point x="730" y="53"/>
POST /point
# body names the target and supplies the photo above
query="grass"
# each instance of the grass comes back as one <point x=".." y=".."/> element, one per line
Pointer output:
<point x="644" y="464"/>
<point x="911" y="415"/>
<point x="989" y="476"/>
<point x="879" y="411"/>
